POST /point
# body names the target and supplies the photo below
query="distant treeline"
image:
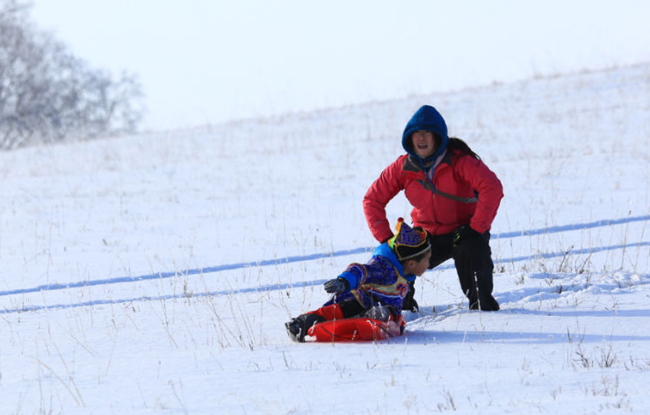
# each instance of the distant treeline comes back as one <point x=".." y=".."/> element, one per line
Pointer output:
<point x="49" y="95"/>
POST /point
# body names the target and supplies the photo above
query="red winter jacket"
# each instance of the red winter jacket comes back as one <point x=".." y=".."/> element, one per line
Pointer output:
<point x="466" y="192"/>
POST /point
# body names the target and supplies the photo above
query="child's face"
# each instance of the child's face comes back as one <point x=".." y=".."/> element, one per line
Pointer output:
<point x="417" y="267"/>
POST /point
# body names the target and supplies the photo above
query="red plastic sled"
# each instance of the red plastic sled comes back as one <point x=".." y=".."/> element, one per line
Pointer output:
<point x="357" y="329"/>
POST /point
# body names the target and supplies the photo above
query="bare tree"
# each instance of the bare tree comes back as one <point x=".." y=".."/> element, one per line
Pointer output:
<point x="49" y="95"/>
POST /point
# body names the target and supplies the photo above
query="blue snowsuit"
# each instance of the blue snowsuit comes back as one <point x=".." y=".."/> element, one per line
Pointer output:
<point x="381" y="280"/>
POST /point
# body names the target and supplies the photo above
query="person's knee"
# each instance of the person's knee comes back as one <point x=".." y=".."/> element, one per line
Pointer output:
<point x="472" y="246"/>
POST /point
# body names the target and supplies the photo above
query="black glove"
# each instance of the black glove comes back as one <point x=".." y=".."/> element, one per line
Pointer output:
<point x="409" y="303"/>
<point x="463" y="233"/>
<point x="337" y="285"/>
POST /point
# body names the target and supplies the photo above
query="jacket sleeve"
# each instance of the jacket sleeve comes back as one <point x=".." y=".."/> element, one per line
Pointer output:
<point x="378" y="270"/>
<point x="355" y="274"/>
<point x="377" y="197"/>
<point x="490" y="191"/>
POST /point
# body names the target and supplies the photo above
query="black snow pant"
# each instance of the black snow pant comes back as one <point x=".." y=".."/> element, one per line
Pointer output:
<point x="473" y="261"/>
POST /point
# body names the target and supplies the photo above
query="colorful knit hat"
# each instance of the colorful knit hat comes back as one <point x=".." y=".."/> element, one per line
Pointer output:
<point x="408" y="242"/>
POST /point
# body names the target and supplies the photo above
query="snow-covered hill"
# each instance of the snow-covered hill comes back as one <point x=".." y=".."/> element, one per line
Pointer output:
<point x="153" y="274"/>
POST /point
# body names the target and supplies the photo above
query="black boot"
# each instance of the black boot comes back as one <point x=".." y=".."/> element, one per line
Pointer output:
<point x="486" y="303"/>
<point x="297" y="327"/>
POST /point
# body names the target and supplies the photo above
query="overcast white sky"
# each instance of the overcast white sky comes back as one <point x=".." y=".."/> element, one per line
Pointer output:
<point x="207" y="61"/>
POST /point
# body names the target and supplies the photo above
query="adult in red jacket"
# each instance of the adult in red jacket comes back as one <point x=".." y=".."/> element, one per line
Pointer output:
<point x="455" y="198"/>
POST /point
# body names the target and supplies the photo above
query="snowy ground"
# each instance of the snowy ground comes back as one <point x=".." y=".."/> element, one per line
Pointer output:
<point x="153" y="274"/>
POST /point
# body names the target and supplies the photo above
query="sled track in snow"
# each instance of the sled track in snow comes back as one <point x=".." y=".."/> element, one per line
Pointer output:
<point x="293" y="259"/>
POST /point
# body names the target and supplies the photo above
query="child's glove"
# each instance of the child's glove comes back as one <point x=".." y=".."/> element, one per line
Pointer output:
<point x="337" y="285"/>
<point x="409" y="303"/>
<point x="462" y="233"/>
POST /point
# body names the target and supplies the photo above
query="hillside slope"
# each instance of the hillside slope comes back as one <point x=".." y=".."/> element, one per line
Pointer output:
<point x="153" y="274"/>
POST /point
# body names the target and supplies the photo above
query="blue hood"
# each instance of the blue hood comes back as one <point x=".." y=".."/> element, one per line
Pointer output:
<point x="426" y="118"/>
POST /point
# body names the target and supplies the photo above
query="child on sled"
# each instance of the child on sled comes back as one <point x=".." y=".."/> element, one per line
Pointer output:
<point x="376" y="289"/>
